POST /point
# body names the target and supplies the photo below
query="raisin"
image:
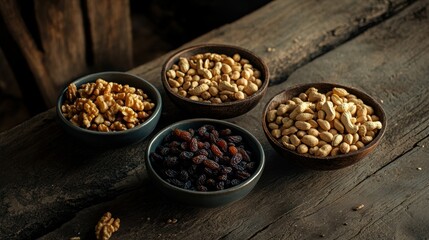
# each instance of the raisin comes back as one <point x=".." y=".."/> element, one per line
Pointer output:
<point x="202" y="188"/>
<point x="235" y="182"/>
<point x="168" y="138"/>
<point x="225" y="170"/>
<point x="170" y="173"/>
<point x="215" y="133"/>
<point x="243" y="175"/>
<point x="175" y="182"/>
<point x="202" y="130"/>
<point x="184" y="146"/>
<point x="156" y="157"/>
<point x="222" y="177"/>
<point x="187" y="185"/>
<point x="232" y="150"/>
<point x="170" y="161"/>
<point x="183" y="175"/>
<point x="206" y="145"/>
<point x="211" y="164"/>
<point x="216" y="151"/>
<point x="200" y="145"/>
<point x="174" y="151"/>
<point x="185" y="155"/>
<point x="164" y="151"/>
<point x="236" y="159"/>
<point x="251" y="166"/>
<point x="184" y="135"/>
<point x="222" y="144"/>
<point x="201" y="179"/>
<point x="220" y="185"/>
<point x="213" y="138"/>
<point x="210" y="182"/>
<point x="202" y="152"/>
<point x="173" y="144"/>
<point x="245" y="155"/>
<point x="208" y="171"/>
<point x="235" y="139"/>
<point x="191" y="131"/>
<point x="209" y="127"/>
<point x="199" y="159"/>
<point x="193" y="145"/>
<point x="225" y="132"/>
<point x="192" y="169"/>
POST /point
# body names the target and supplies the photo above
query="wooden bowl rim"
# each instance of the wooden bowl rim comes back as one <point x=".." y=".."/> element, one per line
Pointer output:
<point x="366" y="149"/>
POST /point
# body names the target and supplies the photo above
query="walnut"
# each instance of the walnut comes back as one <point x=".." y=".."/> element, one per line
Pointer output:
<point x="71" y="92"/>
<point x="106" y="106"/>
<point x="106" y="226"/>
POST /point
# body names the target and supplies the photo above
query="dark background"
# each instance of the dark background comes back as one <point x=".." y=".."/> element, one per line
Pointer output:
<point x="158" y="26"/>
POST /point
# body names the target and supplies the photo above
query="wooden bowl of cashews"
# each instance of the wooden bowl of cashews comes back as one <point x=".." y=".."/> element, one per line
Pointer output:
<point x="323" y="126"/>
<point x="215" y="80"/>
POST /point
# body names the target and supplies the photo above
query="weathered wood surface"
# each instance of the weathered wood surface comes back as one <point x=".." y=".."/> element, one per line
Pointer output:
<point x="388" y="62"/>
<point x="110" y="30"/>
<point x="57" y="50"/>
<point x="47" y="178"/>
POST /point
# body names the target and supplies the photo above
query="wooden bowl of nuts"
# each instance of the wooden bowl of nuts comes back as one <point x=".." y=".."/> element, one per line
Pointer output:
<point x="323" y="126"/>
<point x="215" y="80"/>
<point x="109" y="108"/>
<point x="205" y="162"/>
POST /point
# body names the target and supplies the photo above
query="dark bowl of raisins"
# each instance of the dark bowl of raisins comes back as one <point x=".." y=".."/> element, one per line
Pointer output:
<point x="205" y="162"/>
<point x="215" y="80"/>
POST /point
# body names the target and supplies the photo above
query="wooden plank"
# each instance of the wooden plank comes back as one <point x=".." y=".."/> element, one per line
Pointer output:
<point x="389" y="62"/>
<point x="17" y="28"/>
<point x="296" y="31"/>
<point x="48" y="180"/>
<point x="110" y="29"/>
<point x="62" y="37"/>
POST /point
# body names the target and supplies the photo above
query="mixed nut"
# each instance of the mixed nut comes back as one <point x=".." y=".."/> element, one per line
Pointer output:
<point x="106" y="106"/>
<point x="203" y="159"/>
<point x="323" y="124"/>
<point x="214" y="78"/>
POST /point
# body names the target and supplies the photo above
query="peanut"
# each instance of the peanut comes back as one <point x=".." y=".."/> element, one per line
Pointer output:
<point x="324" y="124"/>
<point x="228" y="79"/>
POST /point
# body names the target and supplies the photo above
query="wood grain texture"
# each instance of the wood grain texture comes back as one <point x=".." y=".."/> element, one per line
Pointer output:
<point x="297" y="31"/>
<point x="291" y="203"/>
<point x="34" y="56"/>
<point x="110" y="29"/>
<point x="48" y="177"/>
<point x="61" y="30"/>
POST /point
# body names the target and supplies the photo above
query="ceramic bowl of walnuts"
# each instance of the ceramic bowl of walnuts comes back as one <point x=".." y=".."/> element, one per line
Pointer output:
<point x="323" y="126"/>
<point x="215" y="80"/>
<point x="109" y="109"/>
<point x="205" y="162"/>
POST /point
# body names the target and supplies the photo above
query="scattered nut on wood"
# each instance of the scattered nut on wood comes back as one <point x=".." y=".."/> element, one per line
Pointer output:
<point x="106" y="226"/>
<point x="358" y="207"/>
<point x="419" y="168"/>
<point x="172" y="221"/>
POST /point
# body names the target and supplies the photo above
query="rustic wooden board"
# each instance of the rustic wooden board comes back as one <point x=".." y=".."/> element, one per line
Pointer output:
<point x="110" y="30"/>
<point x="296" y="31"/>
<point x="11" y="15"/>
<point x="291" y="203"/>
<point x="62" y="37"/>
<point x="44" y="185"/>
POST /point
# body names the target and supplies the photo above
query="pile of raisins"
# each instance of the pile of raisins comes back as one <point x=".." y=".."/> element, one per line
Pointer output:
<point x="203" y="159"/>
